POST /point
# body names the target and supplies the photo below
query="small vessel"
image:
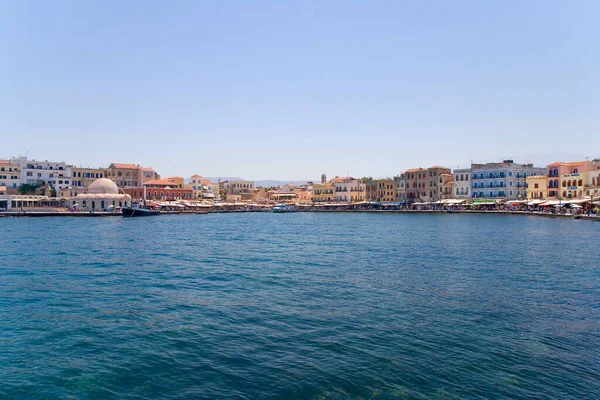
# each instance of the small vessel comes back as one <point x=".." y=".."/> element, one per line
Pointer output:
<point x="140" y="209"/>
<point x="284" y="208"/>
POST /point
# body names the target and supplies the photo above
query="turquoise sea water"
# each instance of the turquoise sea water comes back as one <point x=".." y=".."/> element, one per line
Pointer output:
<point x="306" y="306"/>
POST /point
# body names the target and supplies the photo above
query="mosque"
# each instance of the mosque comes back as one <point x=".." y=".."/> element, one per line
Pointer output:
<point x="102" y="195"/>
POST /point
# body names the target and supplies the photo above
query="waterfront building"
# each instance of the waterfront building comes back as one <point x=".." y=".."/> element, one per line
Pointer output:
<point x="432" y="192"/>
<point x="422" y="183"/>
<point x="304" y="193"/>
<point x="592" y="185"/>
<point x="56" y="175"/>
<point x="10" y="174"/>
<point x="177" y="181"/>
<point x="101" y="195"/>
<point x="202" y="188"/>
<point x="462" y="183"/>
<point x="239" y="190"/>
<point x="160" y="189"/>
<point x="216" y="190"/>
<point x="569" y="179"/>
<point x="415" y="183"/>
<point x="348" y="190"/>
<point x="195" y="183"/>
<point x="322" y="192"/>
<point x="537" y="187"/>
<point x="146" y="174"/>
<point x="503" y="180"/>
<point x="386" y="190"/>
<point x="123" y="175"/>
<point x="445" y="186"/>
<point x="370" y="190"/>
<point x="400" y="187"/>
<point x="260" y="195"/>
<point x="84" y="177"/>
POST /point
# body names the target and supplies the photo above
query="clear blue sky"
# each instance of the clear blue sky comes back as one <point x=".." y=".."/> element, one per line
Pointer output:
<point x="288" y="90"/>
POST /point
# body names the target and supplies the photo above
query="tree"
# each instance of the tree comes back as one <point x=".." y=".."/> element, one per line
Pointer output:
<point x="366" y="179"/>
<point x="27" y="188"/>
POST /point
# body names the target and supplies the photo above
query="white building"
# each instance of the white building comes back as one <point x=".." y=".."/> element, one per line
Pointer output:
<point x="348" y="190"/>
<point x="461" y="185"/>
<point x="202" y="188"/>
<point x="102" y="195"/>
<point x="56" y="174"/>
<point x="401" y="187"/>
<point x="10" y="174"/>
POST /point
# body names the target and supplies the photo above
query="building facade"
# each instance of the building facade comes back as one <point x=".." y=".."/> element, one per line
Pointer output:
<point x="348" y="190"/>
<point x="462" y="183"/>
<point x="371" y="190"/>
<point x="386" y="190"/>
<point x="56" y="175"/>
<point x="416" y="179"/>
<point x="432" y="193"/>
<point x="147" y="174"/>
<point x="504" y="180"/>
<point x="537" y="187"/>
<point x="322" y="192"/>
<point x="242" y="190"/>
<point x="10" y="174"/>
<point x="159" y="189"/>
<point x="567" y="180"/>
<point x="400" y="187"/>
<point x="123" y="175"/>
<point x="445" y="186"/>
<point x="84" y="177"/>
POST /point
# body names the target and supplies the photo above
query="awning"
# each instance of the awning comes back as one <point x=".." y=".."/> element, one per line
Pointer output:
<point x="535" y="202"/>
<point x="550" y="203"/>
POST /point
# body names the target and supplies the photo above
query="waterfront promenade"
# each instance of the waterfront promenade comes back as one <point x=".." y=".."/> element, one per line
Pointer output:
<point x="50" y="213"/>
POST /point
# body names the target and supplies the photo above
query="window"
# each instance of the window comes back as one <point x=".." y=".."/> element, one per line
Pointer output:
<point x="536" y="186"/>
<point x="509" y="173"/>
<point x="511" y="192"/>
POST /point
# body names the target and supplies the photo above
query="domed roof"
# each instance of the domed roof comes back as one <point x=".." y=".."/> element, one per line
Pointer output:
<point x="103" y="186"/>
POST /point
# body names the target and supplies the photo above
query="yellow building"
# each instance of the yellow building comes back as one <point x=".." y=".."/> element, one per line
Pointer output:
<point x="445" y="185"/>
<point x="536" y="187"/>
<point x="83" y="177"/>
<point x="177" y="180"/>
<point x="322" y="192"/>
<point x="386" y="190"/>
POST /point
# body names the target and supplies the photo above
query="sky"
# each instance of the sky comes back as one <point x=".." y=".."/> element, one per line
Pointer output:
<point x="293" y="89"/>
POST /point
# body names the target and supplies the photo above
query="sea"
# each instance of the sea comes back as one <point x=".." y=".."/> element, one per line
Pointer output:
<point x="300" y="306"/>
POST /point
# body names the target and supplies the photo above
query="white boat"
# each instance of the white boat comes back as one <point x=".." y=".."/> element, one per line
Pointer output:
<point x="284" y="208"/>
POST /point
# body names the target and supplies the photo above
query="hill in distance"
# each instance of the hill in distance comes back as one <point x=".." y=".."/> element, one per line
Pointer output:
<point x="261" y="183"/>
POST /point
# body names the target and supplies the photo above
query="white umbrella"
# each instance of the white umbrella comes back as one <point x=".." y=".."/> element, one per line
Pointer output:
<point x="575" y="206"/>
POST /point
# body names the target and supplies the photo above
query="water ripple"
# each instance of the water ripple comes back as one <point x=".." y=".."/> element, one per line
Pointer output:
<point x="317" y="306"/>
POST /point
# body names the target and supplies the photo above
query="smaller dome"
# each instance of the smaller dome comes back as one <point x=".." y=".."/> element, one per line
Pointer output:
<point x="103" y="186"/>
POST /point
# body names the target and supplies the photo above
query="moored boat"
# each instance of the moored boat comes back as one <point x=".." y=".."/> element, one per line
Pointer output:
<point x="140" y="209"/>
<point x="284" y="208"/>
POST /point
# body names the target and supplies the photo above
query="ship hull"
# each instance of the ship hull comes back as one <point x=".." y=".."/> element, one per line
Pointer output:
<point x="139" y="212"/>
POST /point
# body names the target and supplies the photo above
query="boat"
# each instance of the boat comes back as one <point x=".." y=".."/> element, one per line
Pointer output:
<point x="284" y="208"/>
<point x="140" y="209"/>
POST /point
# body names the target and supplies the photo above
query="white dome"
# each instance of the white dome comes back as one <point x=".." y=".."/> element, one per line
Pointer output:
<point x="103" y="186"/>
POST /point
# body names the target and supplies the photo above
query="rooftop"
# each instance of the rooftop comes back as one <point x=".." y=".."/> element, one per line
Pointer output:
<point x="124" y="166"/>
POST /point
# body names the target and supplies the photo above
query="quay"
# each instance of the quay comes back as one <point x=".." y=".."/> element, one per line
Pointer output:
<point x="221" y="210"/>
